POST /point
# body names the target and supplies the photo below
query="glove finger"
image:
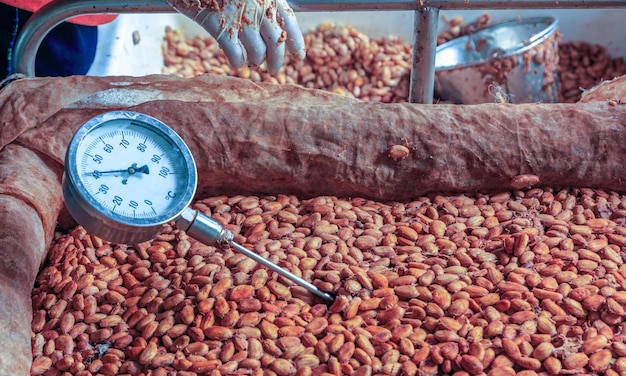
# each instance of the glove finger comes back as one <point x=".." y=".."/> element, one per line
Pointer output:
<point x="228" y="39"/>
<point x="271" y="33"/>
<point x="295" y="40"/>
<point x="254" y="45"/>
<point x="232" y="47"/>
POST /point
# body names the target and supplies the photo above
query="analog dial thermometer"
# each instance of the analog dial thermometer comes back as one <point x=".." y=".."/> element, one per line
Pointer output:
<point x="127" y="174"/>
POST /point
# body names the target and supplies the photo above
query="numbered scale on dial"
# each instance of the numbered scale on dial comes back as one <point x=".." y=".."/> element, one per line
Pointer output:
<point x="127" y="174"/>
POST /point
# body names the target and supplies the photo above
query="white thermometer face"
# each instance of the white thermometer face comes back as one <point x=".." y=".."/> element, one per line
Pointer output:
<point x="129" y="168"/>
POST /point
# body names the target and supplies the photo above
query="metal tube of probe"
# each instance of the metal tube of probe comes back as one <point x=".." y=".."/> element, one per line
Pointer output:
<point x="208" y="231"/>
<point x="285" y="273"/>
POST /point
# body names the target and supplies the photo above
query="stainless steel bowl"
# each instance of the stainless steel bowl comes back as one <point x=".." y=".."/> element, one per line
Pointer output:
<point x="514" y="61"/>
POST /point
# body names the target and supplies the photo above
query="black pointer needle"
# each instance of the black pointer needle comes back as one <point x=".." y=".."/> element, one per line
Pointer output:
<point x="131" y="170"/>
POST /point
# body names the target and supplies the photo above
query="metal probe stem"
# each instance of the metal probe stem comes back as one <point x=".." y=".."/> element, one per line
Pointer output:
<point x="210" y="232"/>
<point x="285" y="273"/>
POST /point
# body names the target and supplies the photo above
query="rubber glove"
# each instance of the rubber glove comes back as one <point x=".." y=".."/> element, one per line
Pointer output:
<point x="247" y="32"/>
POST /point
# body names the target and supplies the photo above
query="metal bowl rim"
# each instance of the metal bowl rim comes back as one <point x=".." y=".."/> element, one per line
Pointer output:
<point x="551" y="22"/>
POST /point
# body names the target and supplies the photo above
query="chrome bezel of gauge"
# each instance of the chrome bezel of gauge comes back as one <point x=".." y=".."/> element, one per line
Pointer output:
<point x="92" y="214"/>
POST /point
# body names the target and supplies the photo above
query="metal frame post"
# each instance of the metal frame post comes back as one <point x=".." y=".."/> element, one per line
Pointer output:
<point x="422" y="86"/>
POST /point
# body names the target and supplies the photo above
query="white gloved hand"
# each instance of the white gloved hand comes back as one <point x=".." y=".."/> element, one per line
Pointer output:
<point x="246" y="31"/>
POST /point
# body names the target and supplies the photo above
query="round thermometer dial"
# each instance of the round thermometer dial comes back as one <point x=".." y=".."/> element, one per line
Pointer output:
<point x="126" y="174"/>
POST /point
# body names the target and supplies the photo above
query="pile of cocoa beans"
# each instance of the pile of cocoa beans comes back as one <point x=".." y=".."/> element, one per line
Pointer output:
<point x="522" y="282"/>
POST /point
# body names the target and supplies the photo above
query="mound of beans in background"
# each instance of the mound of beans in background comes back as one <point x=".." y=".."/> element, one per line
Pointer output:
<point x="343" y="60"/>
<point x="583" y="65"/>
<point x="339" y="59"/>
<point x="525" y="282"/>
